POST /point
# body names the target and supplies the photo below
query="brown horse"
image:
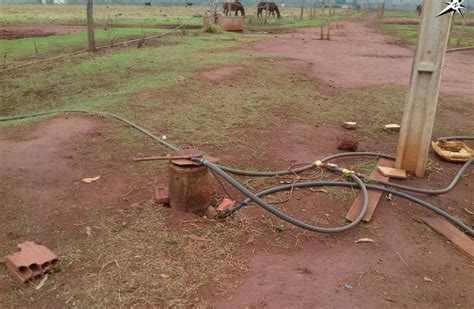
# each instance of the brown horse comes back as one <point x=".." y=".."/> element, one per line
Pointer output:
<point x="271" y="7"/>
<point x="236" y="6"/>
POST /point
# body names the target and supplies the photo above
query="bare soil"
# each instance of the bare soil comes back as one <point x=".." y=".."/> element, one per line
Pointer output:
<point x="409" y="265"/>
<point x="29" y="31"/>
<point x="359" y="56"/>
<point x="221" y="73"/>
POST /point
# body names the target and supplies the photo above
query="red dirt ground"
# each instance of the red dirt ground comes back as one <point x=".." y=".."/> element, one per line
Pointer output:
<point x="408" y="266"/>
<point x="359" y="56"/>
<point x="396" y="271"/>
<point x="28" y="31"/>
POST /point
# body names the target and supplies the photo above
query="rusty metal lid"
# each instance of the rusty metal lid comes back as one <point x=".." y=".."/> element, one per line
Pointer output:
<point x="193" y="152"/>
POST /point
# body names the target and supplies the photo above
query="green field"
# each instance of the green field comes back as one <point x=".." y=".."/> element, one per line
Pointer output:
<point x="146" y="16"/>
<point x="407" y="28"/>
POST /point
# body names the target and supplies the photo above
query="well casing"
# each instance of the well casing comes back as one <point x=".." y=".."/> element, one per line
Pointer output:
<point x="189" y="188"/>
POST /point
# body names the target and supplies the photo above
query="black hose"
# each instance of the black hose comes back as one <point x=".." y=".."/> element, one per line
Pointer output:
<point x="216" y="169"/>
<point x="438" y="211"/>
<point x="113" y="116"/>
<point x="220" y="170"/>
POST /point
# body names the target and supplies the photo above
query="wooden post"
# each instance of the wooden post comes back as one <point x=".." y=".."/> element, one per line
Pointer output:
<point x="422" y="97"/>
<point x="329" y="23"/>
<point x="322" y="20"/>
<point x="381" y="9"/>
<point x="90" y="25"/>
<point x="302" y="8"/>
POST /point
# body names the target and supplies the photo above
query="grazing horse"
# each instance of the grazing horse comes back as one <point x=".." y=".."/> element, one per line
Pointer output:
<point x="236" y="6"/>
<point x="419" y="7"/>
<point x="271" y="7"/>
<point x="188" y="4"/>
<point x="148" y="3"/>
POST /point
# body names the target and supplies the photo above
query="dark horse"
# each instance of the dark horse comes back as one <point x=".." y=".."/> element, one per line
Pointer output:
<point x="236" y="6"/>
<point x="419" y="7"/>
<point x="271" y="7"/>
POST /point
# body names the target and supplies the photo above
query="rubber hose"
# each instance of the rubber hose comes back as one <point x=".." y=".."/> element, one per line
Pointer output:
<point x="127" y="122"/>
<point x="286" y="217"/>
<point x="402" y="187"/>
<point x="456" y="138"/>
<point x="438" y="211"/>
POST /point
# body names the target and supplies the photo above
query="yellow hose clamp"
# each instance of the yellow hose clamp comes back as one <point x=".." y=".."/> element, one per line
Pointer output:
<point x="347" y="172"/>
<point x="318" y="163"/>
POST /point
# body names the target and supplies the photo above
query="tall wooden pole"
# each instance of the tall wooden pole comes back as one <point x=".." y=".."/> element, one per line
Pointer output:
<point x="329" y="23"/>
<point x="302" y="8"/>
<point x="422" y="98"/>
<point x="90" y="25"/>
<point x="322" y="20"/>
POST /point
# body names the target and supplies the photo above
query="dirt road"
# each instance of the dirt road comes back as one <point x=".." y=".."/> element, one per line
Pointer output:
<point x="360" y="56"/>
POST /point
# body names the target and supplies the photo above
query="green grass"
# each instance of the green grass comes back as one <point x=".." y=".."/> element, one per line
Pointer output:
<point x="409" y="33"/>
<point x="103" y="15"/>
<point x="44" y="47"/>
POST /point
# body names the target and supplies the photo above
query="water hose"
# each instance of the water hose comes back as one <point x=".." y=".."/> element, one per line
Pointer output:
<point x="356" y="185"/>
<point x="255" y="198"/>
<point x="221" y="171"/>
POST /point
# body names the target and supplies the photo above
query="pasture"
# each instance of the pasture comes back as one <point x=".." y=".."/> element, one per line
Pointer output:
<point x="266" y="99"/>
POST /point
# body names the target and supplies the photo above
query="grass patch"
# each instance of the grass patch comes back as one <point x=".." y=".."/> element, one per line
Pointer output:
<point x="409" y="33"/>
<point x="15" y="51"/>
<point x="103" y="15"/>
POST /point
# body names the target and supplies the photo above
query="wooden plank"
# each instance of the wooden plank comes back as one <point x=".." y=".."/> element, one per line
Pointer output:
<point x="374" y="196"/>
<point x="392" y="172"/>
<point x="456" y="236"/>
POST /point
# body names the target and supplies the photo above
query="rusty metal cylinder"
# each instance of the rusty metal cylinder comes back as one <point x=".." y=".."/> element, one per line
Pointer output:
<point x="189" y="188"/>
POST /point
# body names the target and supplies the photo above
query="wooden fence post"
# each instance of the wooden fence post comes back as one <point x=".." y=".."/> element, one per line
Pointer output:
<point x="90" y="25"/>
<point x="422" y="97"/>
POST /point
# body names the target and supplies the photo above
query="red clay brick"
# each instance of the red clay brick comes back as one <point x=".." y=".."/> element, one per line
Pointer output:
<point x="226" y="204"/>
<point x="31" y="262"/>
<point x="162" y="195"/>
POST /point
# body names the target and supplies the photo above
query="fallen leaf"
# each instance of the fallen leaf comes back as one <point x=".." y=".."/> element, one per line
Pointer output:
<point x="319" y="190"/>
<point x="88" y="231"/>
<point x="164" y="276"/>
<point x="42" y="282"/>
<point x="197" y="238"/>
<point x="90" y="180"/>
<point x="364" y="240"/>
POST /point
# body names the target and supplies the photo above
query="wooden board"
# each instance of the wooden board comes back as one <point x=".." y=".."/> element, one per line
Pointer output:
<point x="374" y="196"/>
<point x="456" y="236"/>
<point x="392" y="172"/>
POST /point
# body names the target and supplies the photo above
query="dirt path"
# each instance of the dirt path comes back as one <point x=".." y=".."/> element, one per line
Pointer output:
<point x="13" y="32"/>
<point x="359" y="56"/>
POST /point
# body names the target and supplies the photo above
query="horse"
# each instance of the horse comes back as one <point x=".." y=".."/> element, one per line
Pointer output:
<point x="419" y="7"/>
<point x="271" y="7"/>
<point x="148" y="3"/>
<point x="189" y="4"/>
<point x="236" y="6"/>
